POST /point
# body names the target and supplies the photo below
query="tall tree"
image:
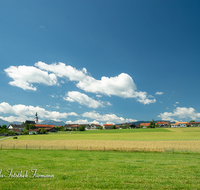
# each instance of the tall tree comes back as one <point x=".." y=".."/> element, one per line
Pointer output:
<point x="152" y="122"/>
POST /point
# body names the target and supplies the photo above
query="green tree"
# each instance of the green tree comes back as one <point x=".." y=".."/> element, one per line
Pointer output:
<point x="114" y="127"/>
<point x="192" y="121"/>
<point x="62" y="128"/>
<point x="4" y="126"/>
<point x="152" y="122"/>
<point x="32" y="126"/>
<point x="127" y="127"/>
<point x="11" y="133"/>
<point x="27" y="127"/>
<point x="81" y="128"/>
<point x="133" y="125"/>
<point x="25" y="132"/>
<point x="43" y="131"/>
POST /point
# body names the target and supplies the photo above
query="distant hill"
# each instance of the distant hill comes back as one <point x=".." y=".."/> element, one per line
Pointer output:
<point x="52" y="122"/>
<point x="3" y="122"/>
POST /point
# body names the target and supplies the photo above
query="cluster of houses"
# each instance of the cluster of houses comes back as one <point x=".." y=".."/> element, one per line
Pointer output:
<point x="176" y="124"/>
<point x="18" y="129"/>
<point x="52" y="128"/>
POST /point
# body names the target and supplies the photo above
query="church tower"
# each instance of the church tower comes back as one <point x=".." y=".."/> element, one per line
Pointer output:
<point x="36" y="118"/>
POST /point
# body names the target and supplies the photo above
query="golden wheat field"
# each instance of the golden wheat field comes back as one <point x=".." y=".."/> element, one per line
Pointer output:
<point x="161" y="146"/>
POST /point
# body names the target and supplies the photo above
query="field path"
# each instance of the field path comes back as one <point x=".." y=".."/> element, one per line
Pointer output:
<point x="5" y="138"/>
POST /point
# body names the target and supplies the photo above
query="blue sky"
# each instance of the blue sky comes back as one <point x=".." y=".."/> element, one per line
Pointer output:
<point x="100" y="61"/>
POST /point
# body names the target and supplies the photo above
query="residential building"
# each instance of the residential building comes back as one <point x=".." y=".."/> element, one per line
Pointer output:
<point x="144" y="124"/>
<point x="95" y="126"/>
<point x="14" y="126"/>
<point x="68" y="126"/>
<point x="107" y="126"/>
<point x="44" y="126"/>
<point x="174" y="125"/>
<point x="180" y="124"/>
<point x="195" y="124"/>
<point x="75" y="127"/>
<point x="162" y="123"/>
<point x="48" y="128"/>
<point x="18" y="131"/>
<point x="33" y="131"/>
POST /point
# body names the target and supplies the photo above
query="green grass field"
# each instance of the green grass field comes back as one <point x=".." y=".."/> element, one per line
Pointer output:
<point x="124" y="134"/>
<point x="80" y="169"/>
<point x="100" y="170"/>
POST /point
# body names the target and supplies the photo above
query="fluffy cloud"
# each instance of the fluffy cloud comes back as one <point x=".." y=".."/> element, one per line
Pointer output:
<point x="111" y="118"/>
<point x="24" y="76"/>
<point x="25" y="111"/>
<point x="62" y="70"/>
<point x="83" y="99"/>
<point x="159" y="93"/>
<point x="98" y="96"/>
<point x="16" y="118"/>
<point x="82" y="121"/>
<point x="121" y="85"/>
<point x="180" y="113"/>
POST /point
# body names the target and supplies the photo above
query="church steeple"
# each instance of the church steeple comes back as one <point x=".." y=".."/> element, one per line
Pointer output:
<point x="36" y="118"/>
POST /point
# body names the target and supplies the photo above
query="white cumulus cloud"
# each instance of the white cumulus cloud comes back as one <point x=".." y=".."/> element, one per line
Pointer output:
<point x="121" y="85"/>
<point x="159" y="93"/>
<point x="62" y="70"/>
<point x="109" y="118"/>
<point x="24" y="77"/>
<point x="82" y="121"/>
<point x="180" y="113"/>
<point x="83" y="99"/>
<point x="29" y="111"/>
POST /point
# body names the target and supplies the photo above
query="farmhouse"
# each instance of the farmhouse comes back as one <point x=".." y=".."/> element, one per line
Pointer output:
<point x="44" y="126"/>
<point x="173" y="125"/>
<point x="162" y="123"/>
<point x="144" y="124"/>
<point x="19" y="132"/>
<point x="14" y="126"/>
<point x="180" y="124"/>
<point x="33" y="131"/>
<point x="75" y="127"/>
<point x="95" y="126"/>
<point x="68" y="126"/>
<point x="48" y="128"/>
<point x="107" y="126"/>
<point x="195" y="124"/>
<point x="53" y="129"/>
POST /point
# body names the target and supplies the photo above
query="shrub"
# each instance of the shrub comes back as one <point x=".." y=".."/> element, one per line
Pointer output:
<point x="25" y="132"/>
<point x="43" y="131"/>
<point x="114" y="127"/>
<point x="81" y="128"/>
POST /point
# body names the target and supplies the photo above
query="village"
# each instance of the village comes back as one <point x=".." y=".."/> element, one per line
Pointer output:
<point x="33" y="127"/>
